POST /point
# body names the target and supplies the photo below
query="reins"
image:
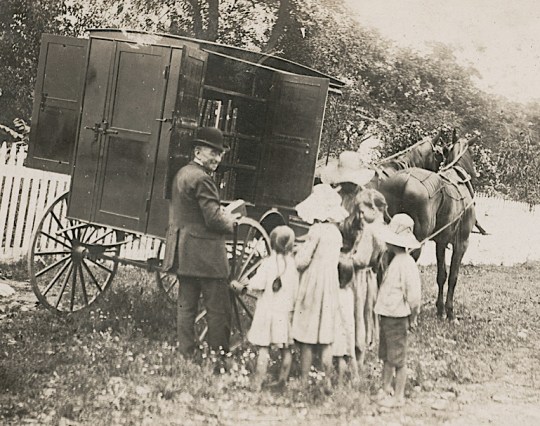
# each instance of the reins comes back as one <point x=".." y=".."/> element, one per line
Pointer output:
<point x="429" y="237"/>
<point x="454" y="161"/>
<point x="400" y="153"/>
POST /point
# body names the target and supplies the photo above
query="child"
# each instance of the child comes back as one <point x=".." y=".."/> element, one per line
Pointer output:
<point x="398" y="304"/>
<point x="277" y="278"/>
<point x="317" y="259"/>
<point x="369" y="209"/>
<point x="343" y="348"/>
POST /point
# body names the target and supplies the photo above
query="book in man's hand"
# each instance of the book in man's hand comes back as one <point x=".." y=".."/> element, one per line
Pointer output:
<point x="236" y="206"/>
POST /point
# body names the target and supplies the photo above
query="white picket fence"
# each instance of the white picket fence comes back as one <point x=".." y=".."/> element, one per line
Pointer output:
<point x="25" y="194"/>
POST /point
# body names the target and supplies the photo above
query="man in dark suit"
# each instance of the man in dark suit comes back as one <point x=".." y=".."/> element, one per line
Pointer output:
<point x="195" y="245"/>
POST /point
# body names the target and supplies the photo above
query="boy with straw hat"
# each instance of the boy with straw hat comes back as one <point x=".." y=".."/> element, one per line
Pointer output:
<point x="398" y="304"/>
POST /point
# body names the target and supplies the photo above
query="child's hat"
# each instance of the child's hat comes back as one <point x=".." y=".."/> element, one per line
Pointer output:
<point x="399" y="232"/>
<point x="349" y="167"/>
<point x="282" y="239"/>
<point x="323" y="204"/>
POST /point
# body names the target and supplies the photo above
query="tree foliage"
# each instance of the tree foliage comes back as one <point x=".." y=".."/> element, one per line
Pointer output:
<point x="397" y="95"/>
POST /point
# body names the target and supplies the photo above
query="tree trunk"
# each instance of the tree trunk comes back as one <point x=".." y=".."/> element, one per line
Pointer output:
<point x="279" y="26"/>
<point x="197" y="18"/>
<point x="213" y="20"/>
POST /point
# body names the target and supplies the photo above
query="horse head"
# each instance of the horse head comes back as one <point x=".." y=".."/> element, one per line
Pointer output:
<point x="459" y="154"/>
<point x="425" y="154"/>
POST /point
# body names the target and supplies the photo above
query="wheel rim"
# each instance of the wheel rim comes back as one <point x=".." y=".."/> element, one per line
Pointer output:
<point x="71" y="263"/>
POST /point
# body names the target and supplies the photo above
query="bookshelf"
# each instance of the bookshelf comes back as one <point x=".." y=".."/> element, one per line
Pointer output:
<point x="240" y="116"/>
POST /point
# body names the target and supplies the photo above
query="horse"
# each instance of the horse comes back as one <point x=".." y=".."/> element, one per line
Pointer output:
<point x="425" y="154"/>
<point x="442" y="207"/>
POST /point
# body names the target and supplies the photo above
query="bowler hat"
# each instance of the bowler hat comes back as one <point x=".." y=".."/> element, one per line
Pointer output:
<point x="210" y="136"/>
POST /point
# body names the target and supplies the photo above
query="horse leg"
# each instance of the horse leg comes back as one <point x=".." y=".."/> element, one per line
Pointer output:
<point x="440" y="250"/>
<point x="457" y="255"/>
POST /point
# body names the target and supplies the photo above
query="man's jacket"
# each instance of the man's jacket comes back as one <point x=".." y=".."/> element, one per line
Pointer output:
<point x="195" y="244"/>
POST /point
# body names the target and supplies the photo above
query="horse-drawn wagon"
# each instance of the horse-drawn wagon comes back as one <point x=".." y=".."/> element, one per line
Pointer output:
<point x="117" y="112"/>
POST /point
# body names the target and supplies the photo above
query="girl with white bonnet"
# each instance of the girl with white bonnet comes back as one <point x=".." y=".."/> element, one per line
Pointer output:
<point x="317" y="260"/>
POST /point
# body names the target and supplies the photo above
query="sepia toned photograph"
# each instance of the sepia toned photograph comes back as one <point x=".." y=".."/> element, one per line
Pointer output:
<point x="269" y="212"/>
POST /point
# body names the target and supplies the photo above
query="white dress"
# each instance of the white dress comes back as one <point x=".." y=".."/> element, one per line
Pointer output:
<point x="316" y="306"/>
<point x="273" y="314"/>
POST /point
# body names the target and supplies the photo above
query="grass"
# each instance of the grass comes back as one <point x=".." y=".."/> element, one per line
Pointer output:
<point x="117" y="363"/>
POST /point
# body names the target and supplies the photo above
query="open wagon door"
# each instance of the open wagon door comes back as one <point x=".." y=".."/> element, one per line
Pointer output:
<point x="181" y="115"/>
<point x="57" y="103"/>
<point x="291" y="141"/>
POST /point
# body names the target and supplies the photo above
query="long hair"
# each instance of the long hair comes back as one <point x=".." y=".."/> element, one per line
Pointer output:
<point x="353" y="224"/>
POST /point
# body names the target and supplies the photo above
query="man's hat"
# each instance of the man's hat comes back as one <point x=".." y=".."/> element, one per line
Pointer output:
<point x="349" y="167"/>
<point x="399" y="232"/>
<point x="210" y="136"/>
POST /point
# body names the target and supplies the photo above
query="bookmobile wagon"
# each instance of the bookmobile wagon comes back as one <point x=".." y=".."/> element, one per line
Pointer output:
<point x="117" y="112"/>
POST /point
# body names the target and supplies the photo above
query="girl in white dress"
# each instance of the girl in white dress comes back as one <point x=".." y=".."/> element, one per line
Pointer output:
<point x="317" y="259"/>
<point x="277" y="281"/>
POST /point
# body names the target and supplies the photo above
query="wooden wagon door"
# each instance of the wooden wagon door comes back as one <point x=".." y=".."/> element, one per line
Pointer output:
<point x="122" y="114"/>
<point x="181" y="112"/>
<point x="291" y="141"/>
<point x="57" y="103"/>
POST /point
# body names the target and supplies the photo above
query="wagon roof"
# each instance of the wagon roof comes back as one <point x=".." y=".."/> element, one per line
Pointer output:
<point x="255" y="58"/>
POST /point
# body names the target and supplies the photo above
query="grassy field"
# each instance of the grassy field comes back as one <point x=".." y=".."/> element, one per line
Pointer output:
<point x="117" y="363"/>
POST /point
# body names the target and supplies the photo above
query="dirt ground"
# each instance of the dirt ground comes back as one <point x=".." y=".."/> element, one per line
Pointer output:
<point x="512" y="397"/>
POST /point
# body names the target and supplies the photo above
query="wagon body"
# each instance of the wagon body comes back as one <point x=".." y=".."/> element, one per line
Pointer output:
<point x="117" y="111"/>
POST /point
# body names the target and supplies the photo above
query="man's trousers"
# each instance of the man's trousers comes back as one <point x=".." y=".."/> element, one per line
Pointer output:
<point x="217" y="301"/>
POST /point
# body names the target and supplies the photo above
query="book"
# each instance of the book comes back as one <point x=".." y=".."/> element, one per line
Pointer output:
<point x="236" y="206"/>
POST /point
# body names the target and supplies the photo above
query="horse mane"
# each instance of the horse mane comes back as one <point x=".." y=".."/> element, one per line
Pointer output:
<point x="460" y="156"/>
<point x="413" y="156"/>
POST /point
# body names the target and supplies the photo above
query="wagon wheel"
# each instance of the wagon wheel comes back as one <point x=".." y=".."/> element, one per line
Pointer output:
<point x="71" y="263"/>
<point x="249" y="245"/>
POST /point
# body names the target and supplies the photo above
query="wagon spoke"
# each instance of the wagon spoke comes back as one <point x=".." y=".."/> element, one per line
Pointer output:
<point x="102" y="237"/>
<point x="85" y="237"/>
<point x="50" y="253"/>
<point x="83" y="284"/>
<point x="52" y="266"/>
<point x="100" y="265"/>
<point x="201" y="315"/>
<point x="203" y="333"/>
<point x="64" y="285"/>
<point x="91" y="275"/>
<point x="60" y="225"/>
<point x="73" y="287"/>
<point x="56" y="278"/>
<point x="56" y="240"/>
<point x="244" y="273"/>
<point x="248" y="312"/>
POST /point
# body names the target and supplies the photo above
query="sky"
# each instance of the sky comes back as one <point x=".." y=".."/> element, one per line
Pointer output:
<point x="500" y="38"/>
